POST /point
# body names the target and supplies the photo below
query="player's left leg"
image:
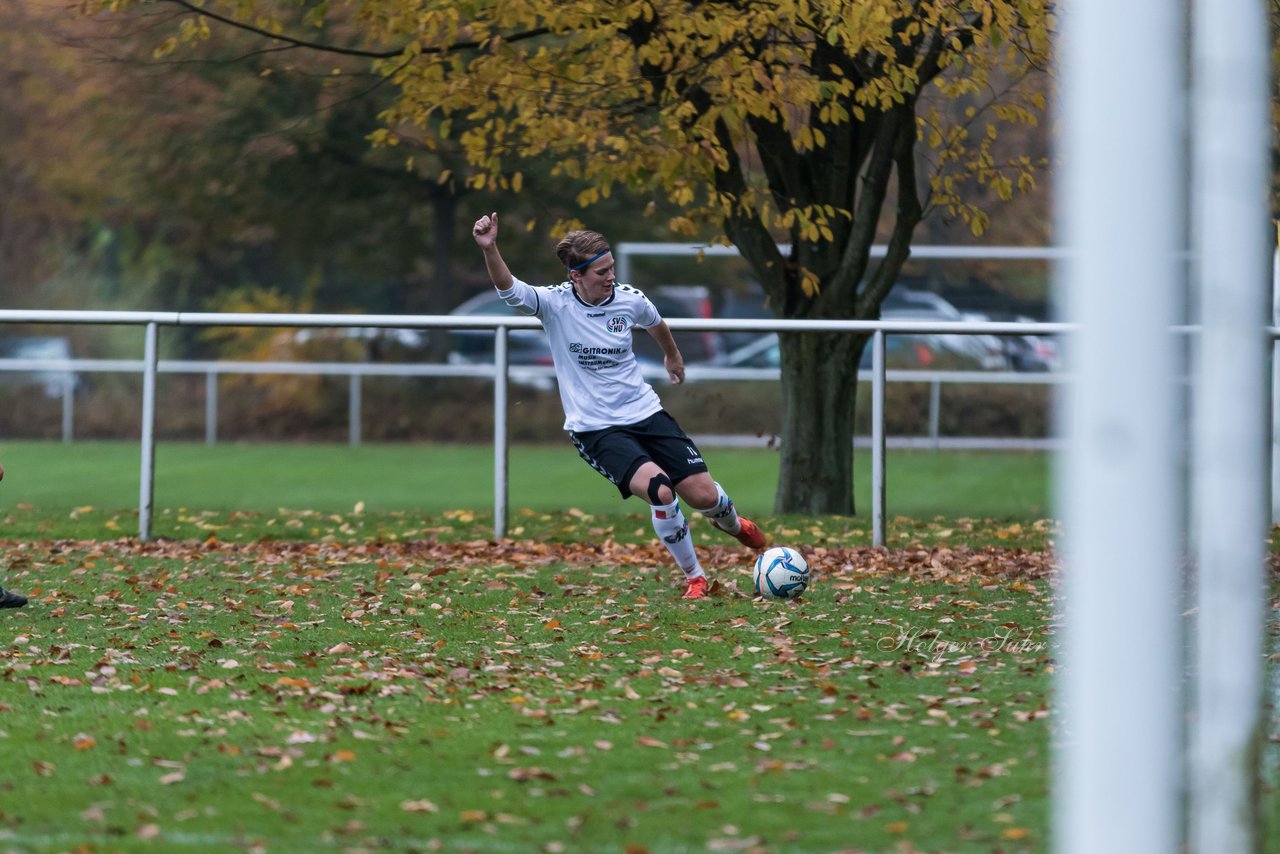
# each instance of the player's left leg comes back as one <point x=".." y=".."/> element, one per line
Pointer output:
<point x="678" y="455"/>
<point x="709" y="498"/>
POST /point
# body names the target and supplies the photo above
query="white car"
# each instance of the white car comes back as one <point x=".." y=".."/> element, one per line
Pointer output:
<point x="910" y="351"/>
<point x="43" y="348"/>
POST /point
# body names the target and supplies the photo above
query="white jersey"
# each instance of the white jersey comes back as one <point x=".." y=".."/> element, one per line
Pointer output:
<point x="600" y="380"/>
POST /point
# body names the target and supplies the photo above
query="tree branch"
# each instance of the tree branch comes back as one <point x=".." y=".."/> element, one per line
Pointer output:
<point x="746" y="231"/>
<point x="904" y="224"/>
<point x="346" y="51"/>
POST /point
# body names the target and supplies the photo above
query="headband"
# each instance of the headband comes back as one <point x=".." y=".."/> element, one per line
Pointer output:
<point x="591" y="260"/>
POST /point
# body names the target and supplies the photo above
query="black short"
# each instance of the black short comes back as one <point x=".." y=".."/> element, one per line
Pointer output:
<point x="616" y="452"/>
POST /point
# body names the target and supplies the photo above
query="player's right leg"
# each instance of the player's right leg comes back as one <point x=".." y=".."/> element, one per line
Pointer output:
<point x="652" y="483"/>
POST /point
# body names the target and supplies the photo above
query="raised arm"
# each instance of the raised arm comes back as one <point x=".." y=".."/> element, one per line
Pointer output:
<point x="671" y="358"/>
<point x="485" y="231"/>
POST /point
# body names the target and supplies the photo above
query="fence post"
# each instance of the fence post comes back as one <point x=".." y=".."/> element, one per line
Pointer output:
<point x="146" y="496"/>
<point x="935" y="404"/>
<point x="1117" y="773"/>
<point x="353" y="412"/>
<point x="68" y="405"/>
<point x="877" y="438"/>
<point x="1231" y="167"/>
<point x="1275" y="384"/>
<point x="211" y="408"/>
<point x="500" y="448"/>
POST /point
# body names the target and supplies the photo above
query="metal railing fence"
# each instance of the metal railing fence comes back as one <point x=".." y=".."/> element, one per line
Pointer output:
<point x="151" y="321"/>
<point x="64" y="375"/>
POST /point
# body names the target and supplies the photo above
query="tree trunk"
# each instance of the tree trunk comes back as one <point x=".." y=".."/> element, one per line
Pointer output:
<point x="819" y="394"/>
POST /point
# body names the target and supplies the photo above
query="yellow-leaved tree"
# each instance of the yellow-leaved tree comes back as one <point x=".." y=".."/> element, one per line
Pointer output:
<point x="802" y="131"/>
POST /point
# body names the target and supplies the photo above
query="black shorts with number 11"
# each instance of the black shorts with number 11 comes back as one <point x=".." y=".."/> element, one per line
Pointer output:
<point x="617" y="452"/>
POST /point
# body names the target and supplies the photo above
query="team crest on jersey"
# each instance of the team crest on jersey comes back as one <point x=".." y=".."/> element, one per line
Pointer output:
<point x="617" y="324"/>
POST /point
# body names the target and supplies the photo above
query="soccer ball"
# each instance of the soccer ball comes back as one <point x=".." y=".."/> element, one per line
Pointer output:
<point x="781" y="573"/>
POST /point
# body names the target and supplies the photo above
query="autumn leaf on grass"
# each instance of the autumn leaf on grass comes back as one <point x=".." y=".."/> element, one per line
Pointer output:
<point x="270" y="803"/>
<point x="84" y="741"/>
<point x="423" y="805"/>
<point x="733" y="844"/>
<point x="522" y="775"/>
<point x="293" y="682"/>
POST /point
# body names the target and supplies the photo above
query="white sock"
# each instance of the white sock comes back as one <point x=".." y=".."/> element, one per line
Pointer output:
<point x="722" y="514"/>
<point x="670" y="526"/>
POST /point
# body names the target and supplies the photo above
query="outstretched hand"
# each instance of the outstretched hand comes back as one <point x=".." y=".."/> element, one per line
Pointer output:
<point x="485" y="231"/>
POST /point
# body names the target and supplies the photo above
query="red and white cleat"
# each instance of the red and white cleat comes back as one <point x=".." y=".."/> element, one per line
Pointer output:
<point x="749" y="533"/>
<point x="697" y="588"/>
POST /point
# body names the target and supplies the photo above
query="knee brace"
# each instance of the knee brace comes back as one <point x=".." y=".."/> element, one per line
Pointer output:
<point x="656" y="483"/>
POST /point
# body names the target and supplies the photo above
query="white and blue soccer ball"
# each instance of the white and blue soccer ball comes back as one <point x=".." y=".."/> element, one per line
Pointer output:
<point x="781" y="573"/>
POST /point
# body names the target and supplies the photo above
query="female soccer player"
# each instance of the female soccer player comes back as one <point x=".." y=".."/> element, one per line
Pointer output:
<point x="613" y="416"/>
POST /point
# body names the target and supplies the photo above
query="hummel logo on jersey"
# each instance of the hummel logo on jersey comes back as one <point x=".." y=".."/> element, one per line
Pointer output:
<point x="617" y="324"/>
<point x="595" y="314"/>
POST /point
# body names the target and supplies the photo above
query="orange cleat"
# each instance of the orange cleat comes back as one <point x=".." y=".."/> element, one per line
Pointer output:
<point x="697" y="588"/>
<point x="749" y="533"/>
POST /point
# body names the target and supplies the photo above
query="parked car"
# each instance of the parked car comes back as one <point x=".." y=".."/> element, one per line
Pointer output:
<point x="983" y="352"/>
<point x="673" y="301"/>
<point x="529" y="346"/>
<point x="902" y="351"/>
<point x="763" y="352"/>
<point x="475" y="346"/>
<point x="376" y="343"/>
<point x="1025" y="352"/>
<point x="43" y="347"/>
<point x="746" y="302"/>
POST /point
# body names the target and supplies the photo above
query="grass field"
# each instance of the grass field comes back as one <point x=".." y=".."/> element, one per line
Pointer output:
<point x="291" y="696"/>
<point x="432" y="479"/>
<point x="284" y="672"/>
